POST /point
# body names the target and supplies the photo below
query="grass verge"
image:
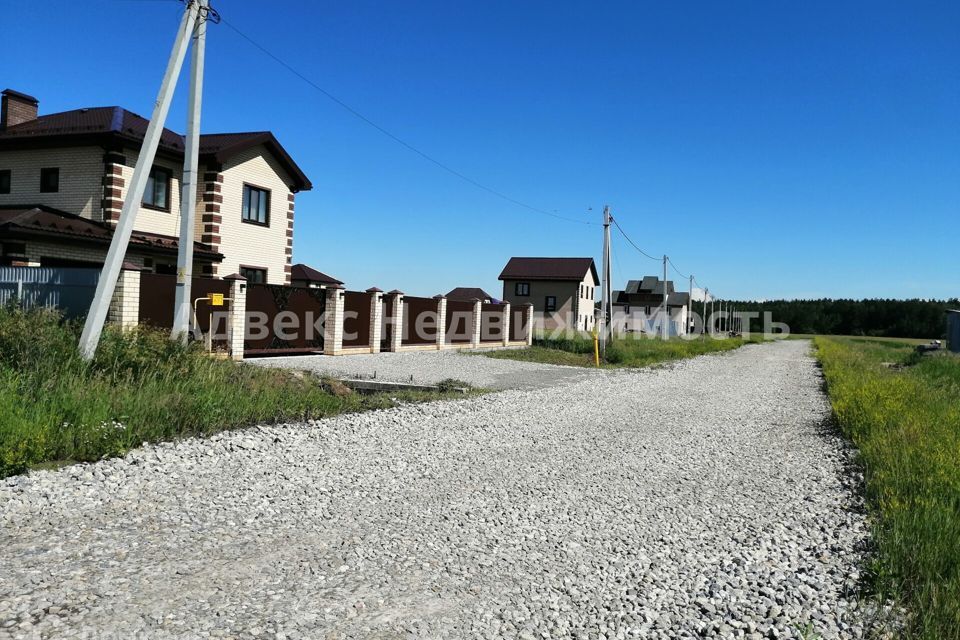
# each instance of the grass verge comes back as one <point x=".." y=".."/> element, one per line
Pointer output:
<point x="902" y="412"/>
<point x="629" y="351"/>
<point x="141" y="387"/>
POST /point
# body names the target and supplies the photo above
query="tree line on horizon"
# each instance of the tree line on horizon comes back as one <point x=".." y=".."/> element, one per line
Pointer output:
<point x="886" y="318"/>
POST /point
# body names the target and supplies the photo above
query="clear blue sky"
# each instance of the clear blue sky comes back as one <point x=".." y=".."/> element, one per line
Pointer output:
<point x="774" y="149"/>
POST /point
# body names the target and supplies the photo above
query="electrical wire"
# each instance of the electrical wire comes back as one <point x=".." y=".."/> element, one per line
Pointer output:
<point x="445" y="167"/>
<point x="632" y="243"/>
<point x="396" y="138"/>
<point x="679" y="273"/>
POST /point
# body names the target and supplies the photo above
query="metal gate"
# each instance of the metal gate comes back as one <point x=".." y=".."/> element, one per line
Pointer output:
<point x="282" y="319"/>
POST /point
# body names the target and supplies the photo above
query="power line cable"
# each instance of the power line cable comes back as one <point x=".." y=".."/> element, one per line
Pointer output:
<point x="679" y="273"/>
<point x="632" y="243"/>
<point x="396" y="138"/>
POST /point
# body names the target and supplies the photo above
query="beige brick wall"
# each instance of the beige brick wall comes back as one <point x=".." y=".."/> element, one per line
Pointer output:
<point x="81" y="178"/>
<point x="249" y="244"/>
<point x="150" y="220"/>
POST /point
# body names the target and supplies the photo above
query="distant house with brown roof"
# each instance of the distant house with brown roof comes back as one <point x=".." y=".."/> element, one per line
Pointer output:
<point x="469" y="294"/>
<point x="304" y="276"/>
<point x="59" y="169"/>
<point x="562" y="290"/>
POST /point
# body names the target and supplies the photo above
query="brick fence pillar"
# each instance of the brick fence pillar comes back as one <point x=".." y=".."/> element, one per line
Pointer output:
<point x="333" y="323"/>
<point x="477" y="319"/>
<point x="441" y="320"/>
<point x="376" y="318"/>
<point x="237" y="317"/>
<point x="529" y="323"/>
<point x="125" y="304"/>
<point x="396" y="320"/>
<point x="506" y="323"/>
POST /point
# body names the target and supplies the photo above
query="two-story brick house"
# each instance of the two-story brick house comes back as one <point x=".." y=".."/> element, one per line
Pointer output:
<point x="64" y="177"/>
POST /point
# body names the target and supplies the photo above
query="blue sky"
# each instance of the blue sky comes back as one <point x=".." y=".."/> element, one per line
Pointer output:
<point x="774" y="149"/>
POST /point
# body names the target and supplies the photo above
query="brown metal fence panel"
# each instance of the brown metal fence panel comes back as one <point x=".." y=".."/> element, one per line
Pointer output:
<point x="386" y="322"/>
<point x="301" y="328"/>
<point x="419" y="321"/>
<point x="157" y="293"/>
<point x="491" y="322"/>
<point x="356" y="319"/>
<point x="518" y="324"/>
<point x="459" y="322"/>
<point x="157" y="296"/>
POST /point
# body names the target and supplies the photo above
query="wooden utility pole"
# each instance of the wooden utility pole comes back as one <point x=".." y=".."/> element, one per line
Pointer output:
<point x="188" y="198"/>
<point x="97" y="315"/>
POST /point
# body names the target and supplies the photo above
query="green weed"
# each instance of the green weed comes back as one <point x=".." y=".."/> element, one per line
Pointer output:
<point x="905" y="422"/>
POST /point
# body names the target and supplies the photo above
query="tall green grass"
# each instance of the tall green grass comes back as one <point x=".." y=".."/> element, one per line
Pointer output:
<point x="905" y="421"/>
<point x="628" y="351"/>
<point x="141" y="387"/>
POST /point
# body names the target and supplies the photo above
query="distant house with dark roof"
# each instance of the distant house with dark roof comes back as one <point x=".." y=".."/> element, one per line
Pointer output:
<point x="562" y="290"/>
<point x="469" y="294"/>
<point x="639" y="307"/>
<point x="304" y="276"/>
<point x="59" y="169"/>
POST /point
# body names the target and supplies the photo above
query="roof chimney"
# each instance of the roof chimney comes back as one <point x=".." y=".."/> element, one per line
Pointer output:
<point x="16" y="108"/>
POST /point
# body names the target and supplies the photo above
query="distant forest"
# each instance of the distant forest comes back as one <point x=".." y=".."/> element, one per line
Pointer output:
<point x="881" y="318"/>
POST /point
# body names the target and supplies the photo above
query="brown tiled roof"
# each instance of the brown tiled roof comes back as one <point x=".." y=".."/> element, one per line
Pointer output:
<point x="17" y="221"/>
<point x="95" y="124"/>
<point x="574" y="269"/>
<point x="469" y="294"/>
<point x="309" y="274"/>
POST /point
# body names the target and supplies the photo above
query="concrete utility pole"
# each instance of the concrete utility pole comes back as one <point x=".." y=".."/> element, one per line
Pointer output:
<point x="93" y="326"/>
<point x="606" y="292"/>
<point x="665" y="317"/>
<point x="703" y="328"/>
<point x="690" y="304"/>
<point x="188" y="197"/>
<point x="711" y="316"/>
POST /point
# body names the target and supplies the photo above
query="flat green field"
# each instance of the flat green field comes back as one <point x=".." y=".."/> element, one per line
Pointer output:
<point x="628" y="351"/>
<point x="902" y="412"/>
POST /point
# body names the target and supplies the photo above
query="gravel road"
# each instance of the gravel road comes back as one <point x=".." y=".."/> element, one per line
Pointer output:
<point x="430" y="367"/>
<point x="697" y="500"/>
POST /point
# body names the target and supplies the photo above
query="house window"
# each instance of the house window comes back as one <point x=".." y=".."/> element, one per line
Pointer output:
<point x="254" y="275"/>
<point x="157" y="193"/>
<point x="522" y="289"/>
<point x="256" y="205"/>
<point x="50" y="180"/>
<point x="550" y="304"/>
<point x="4" y="180"/>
